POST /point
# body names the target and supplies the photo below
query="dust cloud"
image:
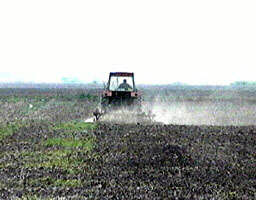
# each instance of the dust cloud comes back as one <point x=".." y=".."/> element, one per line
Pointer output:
<point x="187" y="112"/>
<point x="89" y="120"/>
<point x="126" y="115"/>
<point x="237" y="113"/>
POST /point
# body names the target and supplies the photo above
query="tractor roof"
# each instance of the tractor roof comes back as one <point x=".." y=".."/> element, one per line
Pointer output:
<point x="121" y="74"/>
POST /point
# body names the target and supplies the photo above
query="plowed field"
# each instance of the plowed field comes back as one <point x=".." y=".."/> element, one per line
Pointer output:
<point x="47" y="151"/>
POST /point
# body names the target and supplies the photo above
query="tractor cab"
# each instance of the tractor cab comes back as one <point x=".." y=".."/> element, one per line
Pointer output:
<point x="121" y="81"/>
<point x="120" y="90"/>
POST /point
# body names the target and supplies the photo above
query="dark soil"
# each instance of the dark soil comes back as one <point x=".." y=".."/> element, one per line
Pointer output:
<point x="136" y="161"/>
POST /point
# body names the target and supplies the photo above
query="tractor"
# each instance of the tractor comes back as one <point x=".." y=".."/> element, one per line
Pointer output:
<point x="120" y="91"/>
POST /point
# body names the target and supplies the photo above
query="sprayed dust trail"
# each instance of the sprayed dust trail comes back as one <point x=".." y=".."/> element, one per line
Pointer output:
<point x="220" y="113"/>
<point x="205" y="113"/>
<point x="122" y="116"/>
<point x="125" y="116"/>
<point x="90" y="120"/>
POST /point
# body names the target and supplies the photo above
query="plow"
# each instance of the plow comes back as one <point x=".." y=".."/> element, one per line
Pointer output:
<point x="121" y="96"/>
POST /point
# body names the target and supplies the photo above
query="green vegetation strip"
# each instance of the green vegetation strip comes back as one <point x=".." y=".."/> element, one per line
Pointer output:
<point x="9" y="129"/>
<point x="75" y="126"/>
<point x="68" y="153"/>
<point x="86" y="144"/>
<point x="63" y="159"/>
<point x="34" y="197"/>
<point x="56" y="182"/>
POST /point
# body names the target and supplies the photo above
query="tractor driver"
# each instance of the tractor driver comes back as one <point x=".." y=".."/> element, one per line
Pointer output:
<point x="124" y="85"/>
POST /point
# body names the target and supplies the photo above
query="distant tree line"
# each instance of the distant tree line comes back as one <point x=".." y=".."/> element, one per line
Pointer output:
<point x="244" y="83"/>
<point x="70" y="80"/>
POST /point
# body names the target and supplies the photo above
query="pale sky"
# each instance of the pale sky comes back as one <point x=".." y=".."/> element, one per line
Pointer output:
<point x="190" y="41"/>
